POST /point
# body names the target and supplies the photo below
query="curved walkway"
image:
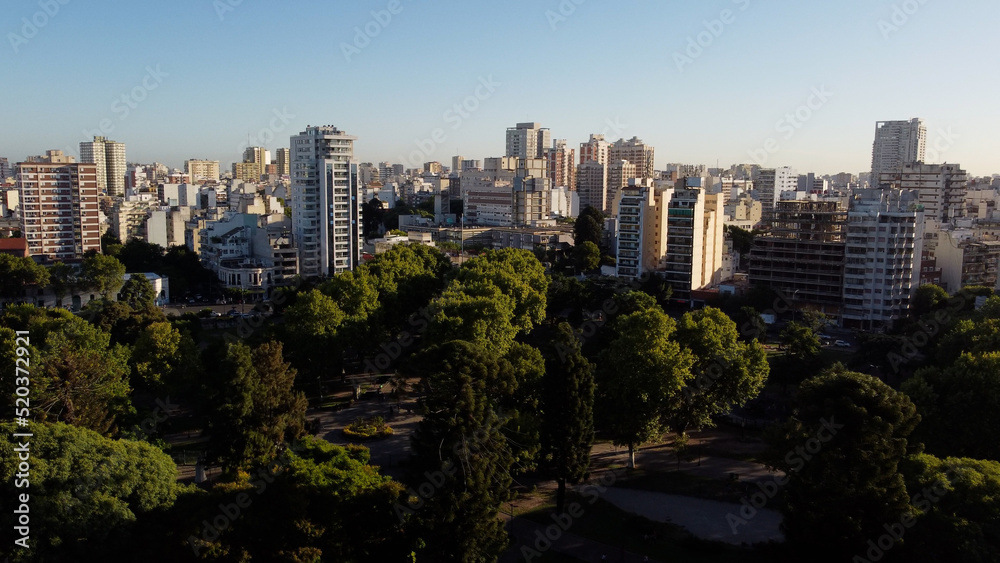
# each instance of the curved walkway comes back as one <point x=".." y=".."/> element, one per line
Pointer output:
<point x="707" y="519"/>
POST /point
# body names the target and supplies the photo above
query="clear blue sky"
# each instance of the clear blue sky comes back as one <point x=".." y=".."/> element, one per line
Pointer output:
<point x="604" y="63"/>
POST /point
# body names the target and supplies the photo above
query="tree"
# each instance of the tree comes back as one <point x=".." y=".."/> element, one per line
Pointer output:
<point x="86" y="491"/>
<point x="518" y="274"/>
<point x="138" y="293"/>
<point x="82" y="379"/>
<point x="103" y="273"/>
<point x="459" y="450"/>
<point x="163" y="357"/>
<point x="313" y="324"/>
<point x="258" y="409"/>
<point x="327" y="503"/>
<point x="372" y="215"/>
<point x="567" y="412"/>
<point x="842" y="450"/>
<point x="956" y="502"/>
<point x="477" y="312"/>
<point x="587" y="256"/>
<point x="751" y="325"/>
<point x="64" y="280"/>
<point x="17" y="273"/>
<point x="959" y="404"/>
<point x="801" y="342"/>
<point x="728" y="372"/>
<point x="638" y="375"/>
<point x="589" y="226"/>
<point x="927" y="299"/>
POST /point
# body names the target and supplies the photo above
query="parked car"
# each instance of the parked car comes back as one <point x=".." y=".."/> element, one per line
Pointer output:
<point x="842" y="344"/>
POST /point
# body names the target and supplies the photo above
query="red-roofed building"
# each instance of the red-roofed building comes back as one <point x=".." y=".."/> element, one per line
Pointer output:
<point x="14" y="246"/>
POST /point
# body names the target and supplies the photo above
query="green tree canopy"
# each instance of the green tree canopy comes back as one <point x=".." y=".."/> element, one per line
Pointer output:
<point x="477" y="312"/>
<point x="589" y="226"/>
<point x="138" y="293"/>
<point x="459" y="443"/>
<point x="567" y="411"/>
<point x="728" y="372"/>
<point x="587" y="256"/>
<point x="86" y="491"/>
<point x="957" y="505"/>
<point x="959" y="405"/>
<point x="842" y="449"/>
<point x="519" y="275"/>
<point x="258" y="410"/>
<point x="104" y="274"/>
<point x="638" y="375"/>
<point x="17" y="273"/>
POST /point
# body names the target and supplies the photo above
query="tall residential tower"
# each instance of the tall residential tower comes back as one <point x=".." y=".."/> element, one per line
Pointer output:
<point x="325" y="200"/>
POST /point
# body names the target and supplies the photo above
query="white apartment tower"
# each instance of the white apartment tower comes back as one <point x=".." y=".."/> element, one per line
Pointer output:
<point x="897" y="143"/>
<point x="885" y="231"/>
<point x="326" y="207"/>
<point x="109" y="156"/>
<point x="528" y="140"/>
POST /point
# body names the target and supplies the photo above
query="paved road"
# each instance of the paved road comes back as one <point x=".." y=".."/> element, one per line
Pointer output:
<point x="706" y="519"/>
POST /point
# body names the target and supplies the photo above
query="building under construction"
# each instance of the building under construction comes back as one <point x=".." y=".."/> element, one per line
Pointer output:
<point x="802" y="255"/>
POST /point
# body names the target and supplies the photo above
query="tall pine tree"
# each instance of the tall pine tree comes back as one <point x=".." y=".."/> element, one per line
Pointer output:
<point x="567" y="411"/>
<point x="460" y="469"/>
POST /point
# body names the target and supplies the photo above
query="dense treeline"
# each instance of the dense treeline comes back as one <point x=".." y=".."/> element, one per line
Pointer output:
<point x="519" y="372"/>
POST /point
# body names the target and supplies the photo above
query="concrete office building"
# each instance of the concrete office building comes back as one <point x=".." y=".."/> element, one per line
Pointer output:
<point x="60" y="217"/>
<point x="325" y="200"/>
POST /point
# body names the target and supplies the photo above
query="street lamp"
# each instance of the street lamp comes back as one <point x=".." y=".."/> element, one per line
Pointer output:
<point x="795" y="310"/>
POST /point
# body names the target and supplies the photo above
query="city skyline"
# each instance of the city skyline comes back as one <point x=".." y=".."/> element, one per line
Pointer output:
<point x="701" y="83"/>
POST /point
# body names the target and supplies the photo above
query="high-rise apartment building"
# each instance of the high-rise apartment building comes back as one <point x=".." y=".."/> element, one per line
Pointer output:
<point x="677" y="231"/>
<point x="109" y="157"/>
<point x="897" y="143"/>
<point x="200" y="171"/>
<point x="770" y="184"/>
<point x="619" y="173"/>
<point x="596" y="149"/>
<point x="592" y="185"/>
<point x="695" y="237"/>
<point x="636" y="152"/>
<point x="561" y="162"/>
<point x="284" y="161"/>
<point x="885" y="230"/>
<point x="325" y="200"/>
<point x="528" y="140"/>
<point x="5" y="170"/>
<point x="59" y="206"/>
<point x="942" y="187"/>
